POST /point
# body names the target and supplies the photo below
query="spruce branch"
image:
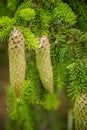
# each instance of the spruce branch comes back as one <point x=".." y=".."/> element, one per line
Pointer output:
<point x="65" y="14"/>
<point x="31" y="41"/>
<point x="27" y="14"/>
<point x="6" y="25"/>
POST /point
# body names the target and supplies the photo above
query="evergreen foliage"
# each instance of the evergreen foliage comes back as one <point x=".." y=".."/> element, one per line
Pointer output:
<point x="60" y="22"/>
<point x="64" y="13"/>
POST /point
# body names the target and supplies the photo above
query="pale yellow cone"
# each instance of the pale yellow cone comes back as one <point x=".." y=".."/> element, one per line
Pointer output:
<point x="44" y="63"/>
<point x="80" y="113"/>
<point x="17" y="61"/>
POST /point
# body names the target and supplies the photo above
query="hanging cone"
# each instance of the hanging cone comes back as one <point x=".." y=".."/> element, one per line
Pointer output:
<point x="44" y="63"/>
<point x="17" y="61"/>
<point x="80" y="113"/>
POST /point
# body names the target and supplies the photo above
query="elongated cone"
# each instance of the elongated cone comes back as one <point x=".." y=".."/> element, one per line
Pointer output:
<point x="44" y="63"/>
<point x="16" y="61"/>
<point x="80" y="113"/>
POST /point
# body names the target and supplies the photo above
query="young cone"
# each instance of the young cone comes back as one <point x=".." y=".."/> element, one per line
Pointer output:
<point x="44" y="63"/>
<point x="80" y="113"/>
<point x="17" y="61"/>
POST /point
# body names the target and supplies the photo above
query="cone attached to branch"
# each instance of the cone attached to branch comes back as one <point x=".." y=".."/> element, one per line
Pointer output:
<point x="17" y="61"/>
<point x="80" y="113"/>
<point x="44" y="63"/>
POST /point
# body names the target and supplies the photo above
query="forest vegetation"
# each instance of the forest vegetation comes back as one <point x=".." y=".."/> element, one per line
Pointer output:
<point x="43" y="65"/>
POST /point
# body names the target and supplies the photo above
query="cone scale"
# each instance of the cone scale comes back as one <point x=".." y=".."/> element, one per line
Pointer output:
<point x="16" y="61"/>
<point x="80" y="113"/>
<point x="44" y="63"/>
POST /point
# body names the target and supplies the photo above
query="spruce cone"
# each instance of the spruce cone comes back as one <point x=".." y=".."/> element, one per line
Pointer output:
<point x="80" y="113"/>
<point x="44" y="63"/>
<point x="17" y="61"/>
